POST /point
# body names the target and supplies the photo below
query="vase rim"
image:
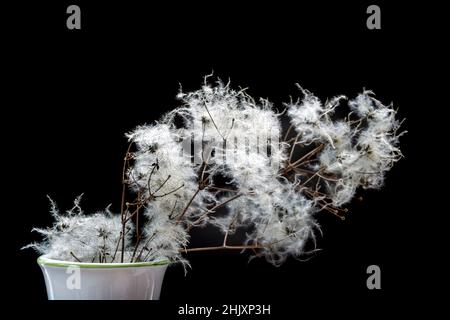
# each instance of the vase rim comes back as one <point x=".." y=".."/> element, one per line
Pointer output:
<point x="45" y="261"/>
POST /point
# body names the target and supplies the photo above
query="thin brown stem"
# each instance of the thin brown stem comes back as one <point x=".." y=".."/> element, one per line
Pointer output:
<point x="149" y="180"/>
<point x="301" y="170"/>
<point x="310" y="178"/>
<point x="309" y="154"/>
<point x="162" y="184"/>
<point x="122" y="215"/>
<point x="148" y="253"/>
<point x="212" y="210"/>
<point x="207" y="110"/>
<point x="117" y="247"/>
<point x="327" y="206"/>
<point x="243" y="247"/>
<point x="225" y="238"/>
<point x="144" y="246"/>
<point x="217" y="206"/>
<point x="328" y="178"/>
<point x="170" y="192"/>
<point x="173" y="209"/>
<point x="202" y="175"/>
<point x="304" y="171"/>
<point x="188" y="205"/>
<point x="287" y="132"/>
<point x="137" y="217"/>
<point x="135" y="212"/>
<point x="122" y="205"/>
<point x="138" y="240"/>
<point x="203" y="141"/>
<point x="222" y="189"/>
<point x="118" y="244"/>
<point x="293" y="148"/>
<point x="73" y="255"/>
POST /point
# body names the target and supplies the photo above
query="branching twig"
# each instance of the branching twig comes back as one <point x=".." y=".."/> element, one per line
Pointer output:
<point x="212" y="210"/>
<point x="305" y="157"/>
<point x="162" y="184"/>
<point x="170" y="192"/>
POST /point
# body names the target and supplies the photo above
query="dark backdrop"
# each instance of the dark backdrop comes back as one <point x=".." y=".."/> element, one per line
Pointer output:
<point x="75" y="93"/>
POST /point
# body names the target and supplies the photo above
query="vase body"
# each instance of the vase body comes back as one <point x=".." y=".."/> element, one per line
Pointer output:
<point x="102" y="281"/>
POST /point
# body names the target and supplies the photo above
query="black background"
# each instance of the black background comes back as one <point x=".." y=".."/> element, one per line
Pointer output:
<point x="74" y="93"/>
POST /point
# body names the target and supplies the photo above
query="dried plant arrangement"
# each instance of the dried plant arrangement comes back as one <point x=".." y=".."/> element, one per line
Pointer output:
<point x="225" y="160"/>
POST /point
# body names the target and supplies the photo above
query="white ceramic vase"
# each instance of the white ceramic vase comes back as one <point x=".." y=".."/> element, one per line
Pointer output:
<point x="102" y="281"/>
